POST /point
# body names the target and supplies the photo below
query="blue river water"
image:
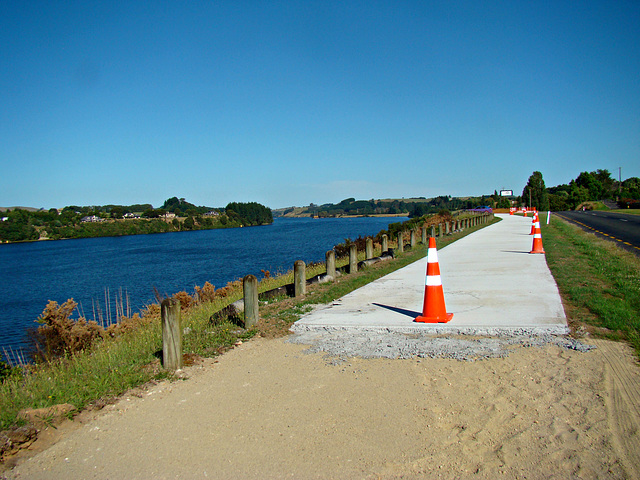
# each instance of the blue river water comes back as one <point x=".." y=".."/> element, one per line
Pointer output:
<point x="31" y="274"/>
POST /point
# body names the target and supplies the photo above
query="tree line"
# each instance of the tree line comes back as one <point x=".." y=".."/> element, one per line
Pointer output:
<point x="586" y="187"/>
<point x="115" y="220"/>
<point x="416" y="207"/>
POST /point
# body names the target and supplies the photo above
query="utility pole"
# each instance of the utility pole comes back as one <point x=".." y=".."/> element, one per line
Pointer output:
<point x="619" y="181"/>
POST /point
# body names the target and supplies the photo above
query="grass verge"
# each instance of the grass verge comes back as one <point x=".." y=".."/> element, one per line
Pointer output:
<point x="598" y="281"/>
<point x="114" y="366"/>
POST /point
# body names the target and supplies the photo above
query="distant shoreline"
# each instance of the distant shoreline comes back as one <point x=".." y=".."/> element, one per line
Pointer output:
<point x="378" y="215"/>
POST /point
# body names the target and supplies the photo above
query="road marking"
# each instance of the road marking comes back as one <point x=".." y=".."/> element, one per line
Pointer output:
<point x="598" y="231"/>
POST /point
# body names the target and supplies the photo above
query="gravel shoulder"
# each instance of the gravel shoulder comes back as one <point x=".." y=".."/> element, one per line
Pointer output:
<point x="272" y="408"/>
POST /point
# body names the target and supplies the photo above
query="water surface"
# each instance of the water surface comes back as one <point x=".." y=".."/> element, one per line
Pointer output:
<point x="31" y="274"/>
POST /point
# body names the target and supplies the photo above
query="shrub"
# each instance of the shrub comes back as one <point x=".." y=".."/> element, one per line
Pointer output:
<point x="186" y="300"/>
<point x="60" y="335"/>
<point x="127" y="324"/>
<point x="205" y="294"/>
<point x="342" y="249"/>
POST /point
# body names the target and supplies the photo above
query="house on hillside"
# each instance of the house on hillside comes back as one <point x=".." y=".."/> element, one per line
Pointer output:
<point x="91" y="219"/>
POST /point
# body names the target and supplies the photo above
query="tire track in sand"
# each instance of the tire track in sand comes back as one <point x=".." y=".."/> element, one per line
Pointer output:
<point x="623" y="402"/>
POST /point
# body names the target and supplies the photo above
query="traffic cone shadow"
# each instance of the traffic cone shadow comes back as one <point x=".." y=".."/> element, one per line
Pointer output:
<point x="433" y="310"/>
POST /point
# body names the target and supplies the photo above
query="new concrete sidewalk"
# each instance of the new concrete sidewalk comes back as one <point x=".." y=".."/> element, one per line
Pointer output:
<point x="492" y="285"/>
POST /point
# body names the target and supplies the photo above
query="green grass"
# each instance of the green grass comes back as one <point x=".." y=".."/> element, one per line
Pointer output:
<point x="599" y="282"/>
<point x="628" y="211"/>
<point x="108" y="371"/>
<point x="113" y="366"/>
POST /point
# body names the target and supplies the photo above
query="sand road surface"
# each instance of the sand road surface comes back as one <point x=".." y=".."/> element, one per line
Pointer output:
<point x="269" y="410"/>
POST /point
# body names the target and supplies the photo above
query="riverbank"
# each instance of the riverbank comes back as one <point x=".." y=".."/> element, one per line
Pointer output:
<point x="111" y="221"/>
<point x="125" y="227"/>
<point x="372" y="215"/>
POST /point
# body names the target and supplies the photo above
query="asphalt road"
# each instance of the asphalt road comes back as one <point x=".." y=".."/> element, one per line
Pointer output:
<point x="621" y="227"/>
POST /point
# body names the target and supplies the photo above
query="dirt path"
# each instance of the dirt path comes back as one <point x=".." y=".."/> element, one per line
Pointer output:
<point x="268" y="410"/>
<point x="622" y="377"/>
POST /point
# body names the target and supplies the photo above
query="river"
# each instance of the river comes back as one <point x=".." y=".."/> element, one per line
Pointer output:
<point x="33" y="273"/>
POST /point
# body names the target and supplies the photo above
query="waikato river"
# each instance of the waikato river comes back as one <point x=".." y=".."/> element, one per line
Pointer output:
<point x="31" y="274"/>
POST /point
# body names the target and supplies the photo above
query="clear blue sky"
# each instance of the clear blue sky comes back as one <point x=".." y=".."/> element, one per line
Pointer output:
<point x="291" y="103"/>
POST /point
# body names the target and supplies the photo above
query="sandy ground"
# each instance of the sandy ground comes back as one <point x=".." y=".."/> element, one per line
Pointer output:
<point x="269" y="410"/>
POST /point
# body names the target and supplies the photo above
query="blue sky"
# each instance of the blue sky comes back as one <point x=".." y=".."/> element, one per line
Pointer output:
<point x="291" y="103"/>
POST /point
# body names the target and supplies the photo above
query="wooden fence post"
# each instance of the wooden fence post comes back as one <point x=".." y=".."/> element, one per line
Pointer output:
<point x="424" y="234"/>
<point x="400" y="242"/>
<point x="385" y="243"/>
<point x="433" y="231"/>
<point x="412" y="242"/>
<point x="299" y="278"/>
<point x="171" y="334"/>
<point x="353" y="258"/>
<point x="250" y="289"/>
<point x="330" y="263"/>
<point x="440" y="232"/>
<point x="369" y="248"/>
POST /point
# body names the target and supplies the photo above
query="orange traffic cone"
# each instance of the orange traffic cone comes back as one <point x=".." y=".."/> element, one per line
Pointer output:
<point x="537" y="239"/>
<point x="533" y="223"/>
<point x="433" y="310"/>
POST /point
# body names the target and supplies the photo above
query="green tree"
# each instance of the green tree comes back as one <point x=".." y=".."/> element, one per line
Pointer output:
<point x="577" y="195"/>
<point x="559" y="201"/>
<point x="188" y="223"/>
<point x="150" y="213"/>
<point x="503" y="203"/>
<point x="249" y="213"/>
<point x="536" y="191"/>
<point x="608" y="183"/>
<point x="117" y="211"/>
<point x="631" y="188"/>
<point x="590" y="182"/>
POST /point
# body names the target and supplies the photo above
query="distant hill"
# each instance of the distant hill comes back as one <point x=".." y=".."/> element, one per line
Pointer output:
<point x="351" y="207"/>
<point x="28" y="209"/>
<point x="413" y="207"/>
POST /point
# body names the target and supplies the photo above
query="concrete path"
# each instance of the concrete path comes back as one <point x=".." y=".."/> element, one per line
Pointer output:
<point x="492" y="285"/>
